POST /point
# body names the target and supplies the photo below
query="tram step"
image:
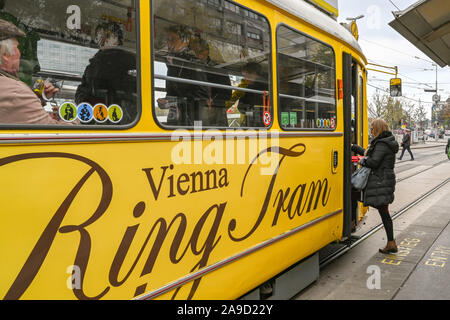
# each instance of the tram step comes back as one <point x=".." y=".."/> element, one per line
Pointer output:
<point x="289" y="283"/>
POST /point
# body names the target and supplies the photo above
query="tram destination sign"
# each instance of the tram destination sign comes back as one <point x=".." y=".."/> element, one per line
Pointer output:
<point x="396" y="87"/>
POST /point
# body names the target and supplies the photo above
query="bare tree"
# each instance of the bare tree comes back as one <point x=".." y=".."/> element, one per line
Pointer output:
<point x="393" y="113"/>
<point x="377" y="105"/>
<point x="408" y="112"/>
<point x="420" y="115"/>
<point x="444" y="115"/>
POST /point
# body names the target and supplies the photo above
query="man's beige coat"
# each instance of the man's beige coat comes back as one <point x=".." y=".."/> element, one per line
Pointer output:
<point x="20" y="105"/>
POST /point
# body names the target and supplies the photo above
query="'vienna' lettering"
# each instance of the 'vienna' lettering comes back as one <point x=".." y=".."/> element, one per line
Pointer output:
<point x="196" y="181"/>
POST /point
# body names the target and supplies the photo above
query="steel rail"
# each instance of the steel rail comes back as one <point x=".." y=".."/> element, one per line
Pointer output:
<point x="416" y="173"/>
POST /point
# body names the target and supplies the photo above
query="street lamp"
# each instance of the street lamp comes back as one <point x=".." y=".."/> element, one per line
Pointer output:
<point x="436" y="97"/>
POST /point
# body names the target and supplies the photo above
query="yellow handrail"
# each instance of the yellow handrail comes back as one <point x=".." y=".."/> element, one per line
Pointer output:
<point x="379" y="65"/>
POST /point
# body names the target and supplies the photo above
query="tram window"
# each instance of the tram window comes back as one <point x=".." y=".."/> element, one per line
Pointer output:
<point x="85" y="48"/>
<point x="211" y="64"/>
<point x="306" y="77"/>
<point x="354" y="104"/>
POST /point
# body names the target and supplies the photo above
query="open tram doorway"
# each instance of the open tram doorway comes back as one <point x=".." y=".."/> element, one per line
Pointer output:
<point x="353" y="102"/>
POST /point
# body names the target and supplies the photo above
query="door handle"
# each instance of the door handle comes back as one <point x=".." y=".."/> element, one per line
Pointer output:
<point x="334" y="161"/>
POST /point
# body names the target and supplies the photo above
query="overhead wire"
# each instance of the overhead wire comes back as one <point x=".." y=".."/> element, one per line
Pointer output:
<point x="415" y="80"/>
<point x="402" y="74"/>
<point x="386" y="90"/>
<point x="428" y="84"/>
<point x="404" y="83"/>
<point x="378" y="61"/>
<point x="381" y="45"/>
<point x="395" y="5"/>
<point x="390" y="48"/>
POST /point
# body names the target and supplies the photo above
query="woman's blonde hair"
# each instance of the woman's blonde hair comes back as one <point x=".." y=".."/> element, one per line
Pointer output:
<point x="378" y="126"/>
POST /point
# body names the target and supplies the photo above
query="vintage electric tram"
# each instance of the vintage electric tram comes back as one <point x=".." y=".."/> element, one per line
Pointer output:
<point x="196" y="149"/>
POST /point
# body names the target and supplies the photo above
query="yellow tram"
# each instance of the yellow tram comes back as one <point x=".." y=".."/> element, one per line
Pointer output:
<point x="196" y="148"/>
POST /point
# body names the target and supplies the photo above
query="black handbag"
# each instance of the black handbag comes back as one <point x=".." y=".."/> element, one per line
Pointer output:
<point x="360" y="178"/>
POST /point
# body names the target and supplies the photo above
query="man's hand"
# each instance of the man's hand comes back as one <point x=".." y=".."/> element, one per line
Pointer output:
<point x="55" y="113"/>
<point x="162" y="103"/>
<point x="50" y="90"/>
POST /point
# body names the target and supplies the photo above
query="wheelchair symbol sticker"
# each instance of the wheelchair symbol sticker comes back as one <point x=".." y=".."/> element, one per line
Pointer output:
<point x="333" y="123"/>
<point x="68" y="112"/>
<point x="100" y="113"/>
<point x="85" y="112"/>
<point x="115" y="113"/>
<point x="267" y="118"/>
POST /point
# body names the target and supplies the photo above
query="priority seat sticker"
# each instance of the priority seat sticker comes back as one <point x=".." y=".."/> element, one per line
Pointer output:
<point x="100" y="113"/>
<point x="115" y="113"/>
<point x="85" y="112"/>
<point x="68" y="112"/>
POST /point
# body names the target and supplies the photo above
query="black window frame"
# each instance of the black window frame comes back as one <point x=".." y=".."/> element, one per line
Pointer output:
<point x="280" y="25"/>
<point x="269" y="71"/>
<point x="361" y="91"/>
<point x="99" y="127"/>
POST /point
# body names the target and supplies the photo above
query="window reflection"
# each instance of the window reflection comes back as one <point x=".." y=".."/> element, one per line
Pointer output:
<point x="306" y="77"/>
<point x="85" y="49"/>
<point x="200" y="61"/>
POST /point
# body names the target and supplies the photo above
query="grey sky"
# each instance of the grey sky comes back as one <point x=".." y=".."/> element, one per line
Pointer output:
<point x="383" y="45"/>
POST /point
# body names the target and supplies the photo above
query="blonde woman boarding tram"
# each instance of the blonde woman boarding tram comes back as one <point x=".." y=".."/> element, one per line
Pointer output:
<point x="379" y="192"/>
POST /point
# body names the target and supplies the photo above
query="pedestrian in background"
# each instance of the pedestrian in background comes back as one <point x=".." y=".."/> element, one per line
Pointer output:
<point x="406" y="144"/>
<point x="447" y="148"/>
<point x="379" y="192"/>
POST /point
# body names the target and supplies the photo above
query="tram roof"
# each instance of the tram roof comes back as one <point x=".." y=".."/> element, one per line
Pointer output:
<point x="426" y="24"/>
<point x="313" y="16"/>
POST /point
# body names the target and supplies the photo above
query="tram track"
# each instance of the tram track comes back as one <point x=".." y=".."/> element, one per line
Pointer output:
<point x="421" y="171"/>
<point x="351" y="244"/>
<point x="430" y="151"/>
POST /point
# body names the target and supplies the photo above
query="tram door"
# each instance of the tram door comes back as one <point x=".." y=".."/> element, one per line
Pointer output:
<point x="351" y="134"/>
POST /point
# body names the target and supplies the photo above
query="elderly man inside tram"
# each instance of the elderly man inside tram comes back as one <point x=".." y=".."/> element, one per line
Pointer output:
<point x="18" y="103"/>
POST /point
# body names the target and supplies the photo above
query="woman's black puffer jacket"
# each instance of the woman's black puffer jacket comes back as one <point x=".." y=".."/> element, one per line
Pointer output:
<point x="381" y="159"/>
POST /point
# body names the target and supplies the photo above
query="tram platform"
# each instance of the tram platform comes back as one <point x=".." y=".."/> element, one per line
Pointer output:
<point x="420" y="270"/>
<point x="430" y="144"/>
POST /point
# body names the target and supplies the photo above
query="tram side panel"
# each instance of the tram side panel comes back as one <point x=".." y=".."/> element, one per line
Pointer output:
<point x="81" y="226"/>
<point x="117" y="220"/>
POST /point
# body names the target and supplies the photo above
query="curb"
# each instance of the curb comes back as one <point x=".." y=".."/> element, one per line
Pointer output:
<point x="438" y="144"/>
